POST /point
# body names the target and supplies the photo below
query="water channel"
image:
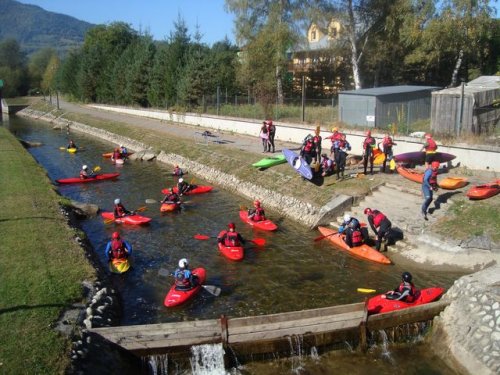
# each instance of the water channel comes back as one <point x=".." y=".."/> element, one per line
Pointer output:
<point x="292" y="272"/>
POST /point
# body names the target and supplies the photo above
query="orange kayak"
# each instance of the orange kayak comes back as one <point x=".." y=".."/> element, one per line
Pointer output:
<point x="364" y="252"/>
<point x="170" y="207"/>
<point x="484" y="191"/>
<point x="449" y="183"/>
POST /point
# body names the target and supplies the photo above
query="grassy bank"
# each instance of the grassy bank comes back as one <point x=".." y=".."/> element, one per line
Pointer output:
<point x="41" y="266"/>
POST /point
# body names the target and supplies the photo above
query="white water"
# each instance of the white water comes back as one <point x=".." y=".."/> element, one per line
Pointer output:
<point x="386" y="354"/>
<point x="296" y="345"/>
<point x="158" y="364"/>
<point x="207" y="360"/>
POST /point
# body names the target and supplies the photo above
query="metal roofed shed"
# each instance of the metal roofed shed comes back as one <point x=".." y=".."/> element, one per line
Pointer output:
<point x="378" y="107"/>
<point x="467" y="109"/>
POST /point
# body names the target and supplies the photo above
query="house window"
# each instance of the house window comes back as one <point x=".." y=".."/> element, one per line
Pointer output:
<point x="333" y="32"/>
<point x="313" y="35"/>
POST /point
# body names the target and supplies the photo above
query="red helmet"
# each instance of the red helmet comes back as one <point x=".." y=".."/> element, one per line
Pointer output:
<point x="435" y="164"/>
<point x="368" y="211"/>
<point x="368" y="133"/>
<point x="231" y="226"/>
<point x="115" y="235"/>
<point x="428" y="135"/>
<point x="269" y="122"/>
<point x="256" y="203"/>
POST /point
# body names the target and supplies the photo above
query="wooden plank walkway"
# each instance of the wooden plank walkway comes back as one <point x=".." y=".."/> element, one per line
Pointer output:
<point x="265" y="333"/>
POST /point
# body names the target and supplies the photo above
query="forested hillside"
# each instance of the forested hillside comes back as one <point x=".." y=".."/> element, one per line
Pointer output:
<point x="35" y="28"/>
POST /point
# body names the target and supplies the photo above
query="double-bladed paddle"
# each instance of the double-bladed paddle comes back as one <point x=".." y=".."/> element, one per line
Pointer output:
<point x="212" y="289"/>
<point x="258" y="241"/>
<point x="323" y="237"/>
<point x="140" y="209"/>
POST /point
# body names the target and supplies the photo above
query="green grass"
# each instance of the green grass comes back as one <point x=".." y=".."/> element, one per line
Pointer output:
<point x="41" y="266"/>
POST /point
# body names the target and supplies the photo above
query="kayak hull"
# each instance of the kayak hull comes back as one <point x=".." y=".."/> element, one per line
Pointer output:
<point x="478" y="192"/>
<point x="418" y="157"/>
<point x="364" y="252"/>
<point x="262" y="225"/>
<point x="235" y="253"/>
<point x="78" y="180"/>
<point x="129" y="219"/>
<point x="170" y="207"/>
<point x="449" y="183"/>
<point x="119" y="265"/>
<point x="176" y="297"/>
<point x="377" y="304"/>
<point x="298" y="163"/>
<point x="270" y="161"/>
<point x="199" y="189"/>
<point x="72" y="150"/>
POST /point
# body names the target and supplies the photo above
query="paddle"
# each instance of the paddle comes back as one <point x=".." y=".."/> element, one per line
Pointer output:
<point x="323" y="237"/>
<point x="258" y="241"/>
<point x="96" y="169"/>
<point x="365" y="290"/>
<point x="140" y="209"/>
<point x="212" y="289"/>
<point x="152" y="201"/>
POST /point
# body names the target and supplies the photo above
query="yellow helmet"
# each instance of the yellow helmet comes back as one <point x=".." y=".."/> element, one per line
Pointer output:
<point x="334" y="129"/>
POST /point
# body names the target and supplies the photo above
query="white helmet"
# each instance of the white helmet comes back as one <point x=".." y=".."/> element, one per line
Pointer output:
<point x="347" y="217"/>
<point x="183" y="263"/>
<point x="85" y="167"/>
<point x="121" y="146"/>
<point x="117" y="201"/>
<point x="181" y="179"/>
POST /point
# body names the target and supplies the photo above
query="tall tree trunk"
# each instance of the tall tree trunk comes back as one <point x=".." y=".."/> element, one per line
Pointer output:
<point x="354" y="50"/>
<point x="279" y="85"/>
<point x="458" y="64"/>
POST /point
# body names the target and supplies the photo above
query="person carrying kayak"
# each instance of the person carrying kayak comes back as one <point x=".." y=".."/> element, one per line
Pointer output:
<point x="405" y="292"/>
<point x="71" y="144"/>
<point x="178" y="171"/>
<point x="430" y="148"/>
<point x="369" y="145"/>
<point x="184" y="278"/>
<point x="429" y="184"/>
<point x="85" y="173"/>
<point x="380" y="225"/>
<point x="256" y="213"/>
<point x="183" y="187"/>
<point x="387" y="144"/>
<point x="354" y="235"/>
<point x="326" y="165"/>
<point x="117" y="248"/>
<point x="171" y="197"/>
<point x="120" y="210"/>
<point x="231" y="237"/>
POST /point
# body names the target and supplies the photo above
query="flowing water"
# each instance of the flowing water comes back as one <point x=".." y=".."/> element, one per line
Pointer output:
<point x="291" y="272"/>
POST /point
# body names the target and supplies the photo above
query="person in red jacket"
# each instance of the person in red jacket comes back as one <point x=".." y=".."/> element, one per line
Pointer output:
<point x="257" y="213"/>
<point x="405" y="292"/>
<point x="120" y="210"/>
<point x="369" y="145"/>
<point x="387" y="144"/>
<point x="231" y="237"/>
<point x="117" y="248"/>
<point x="430" y="148"/>
<point x="380" y="225"/>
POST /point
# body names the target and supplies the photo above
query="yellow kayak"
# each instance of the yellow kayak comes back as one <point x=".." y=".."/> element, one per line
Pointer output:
<point x="72" y="150"/>
<point x="119" y="265"/>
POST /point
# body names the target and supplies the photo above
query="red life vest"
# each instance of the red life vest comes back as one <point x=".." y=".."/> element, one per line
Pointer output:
<point x="433" y="179"/>
<point x="271" y="129"/>
<point x="117" y="155"/>
<point x="357" y="238"/>
<point x="232" y="239"/>
<point x="317" y="140"/>
<point x="83" y="175"/>
<point x="119" y="210"/>
<point x="308" y="146"/>
<point x="259" y="214"/>
<point x="387" y="142"/>
<point x="413" y="291"/>
<point x="118" y="250"/>
<point x="369" y="142"/>
<point x="378" y="217"/>
<point x="430" y="146"/>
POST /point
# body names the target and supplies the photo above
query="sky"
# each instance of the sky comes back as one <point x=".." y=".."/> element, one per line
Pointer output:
<point x="157" y="17"/>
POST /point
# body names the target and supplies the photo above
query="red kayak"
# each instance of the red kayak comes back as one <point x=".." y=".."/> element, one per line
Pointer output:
<point x="97" y="177"/>
<point x="170" y="207"/>
<point x="263" y="225"/>
<point x="231" y="252"/>
<point x="377" y="304"/>
<point x="129" y="219"/>
<point x="199" y="189"/>
<point x="176" y="297"/>
<point x="484" y="191"/>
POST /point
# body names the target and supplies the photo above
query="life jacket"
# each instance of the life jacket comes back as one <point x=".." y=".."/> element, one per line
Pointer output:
<point x="259" y="214"/>
<point x="387" y="142"/>
<point x="271" y="129"/>
<point x="369" y="145"/>
<point x="413" y="291"/>
<point x="181" y="279"/>
<point x="308" y="146"/>
<point x="118" y="249"/>
<point x="119" y="210"/>
<point x="326" y="164"/>
<point x="357" y="238"/>
<point x="378" y="217"/>
<point x="83" y="175"/>
<point x="172" y="197"/>
<point x="430" y="146"/>
<point x="336" y="137"/>
<point x="433" y="179"/>
<point x="117" y="155"/>
<point x="231" y="239"/>
<point x="317" y="140"/>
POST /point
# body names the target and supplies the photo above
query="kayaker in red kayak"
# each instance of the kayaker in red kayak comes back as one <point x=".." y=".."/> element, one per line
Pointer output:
<point x="85" y="173"/>
<point x="354" y="235"/>
<point x="183" y="187"/>
<point x="71" y="144"/>
<point x="387" y="144"/>
<point x="430" y="148"/>
<point x="369" y="145"/>
<point x="231" y="237"/>
<point x="184" y="278"/>
<point x="171" y="198"/>
<point x="429" y="184"/>
<point x="256" y="213"/>
<point x="117" y="248"/>
<point x="380" y="225"/>
<point x="405" y="292"/>
<point x="120" y="210"/>
<point x="177" y="171"/>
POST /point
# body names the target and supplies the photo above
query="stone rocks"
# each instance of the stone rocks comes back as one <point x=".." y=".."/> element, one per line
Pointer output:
<point x="85" y="209"/>
<point x="482" y="242"/>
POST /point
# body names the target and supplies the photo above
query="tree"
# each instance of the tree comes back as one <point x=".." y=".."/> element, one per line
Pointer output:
<point x="13" y="70"/>
<point x="38" y="64"/>
<point x="69" y="72"/>
<point x="49" y="82"/>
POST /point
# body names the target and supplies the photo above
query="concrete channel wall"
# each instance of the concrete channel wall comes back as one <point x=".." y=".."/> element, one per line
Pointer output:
<point x="478" y="157"/>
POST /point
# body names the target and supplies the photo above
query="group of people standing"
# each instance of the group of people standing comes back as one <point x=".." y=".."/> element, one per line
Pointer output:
<point x="267" y="133"/>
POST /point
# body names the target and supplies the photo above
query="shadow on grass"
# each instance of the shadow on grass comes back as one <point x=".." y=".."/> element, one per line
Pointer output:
<point x="29" y="307"/>
<point x="29" y="218"/>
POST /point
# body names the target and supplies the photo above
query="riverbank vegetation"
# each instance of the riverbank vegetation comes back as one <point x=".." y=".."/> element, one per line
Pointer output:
<point x="41" y="266"/>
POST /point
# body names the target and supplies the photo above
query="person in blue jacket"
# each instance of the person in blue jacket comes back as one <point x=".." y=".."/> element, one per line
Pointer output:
<point x="184" y="278"/>
<point x="429" y="184"/>
<point x="118" y="248"/>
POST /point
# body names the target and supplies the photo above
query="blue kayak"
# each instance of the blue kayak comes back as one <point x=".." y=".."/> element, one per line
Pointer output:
<point x="298" y="163"/>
